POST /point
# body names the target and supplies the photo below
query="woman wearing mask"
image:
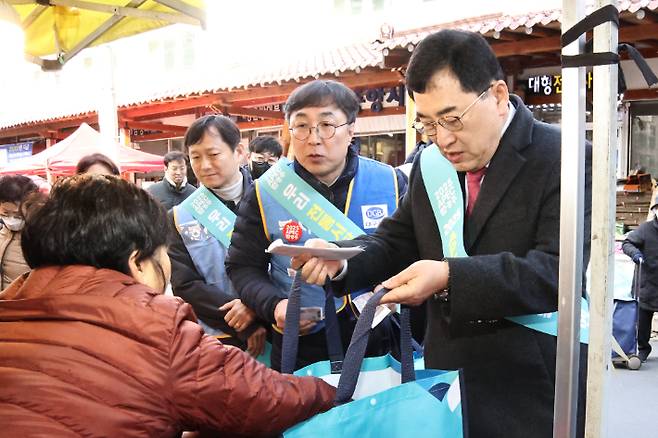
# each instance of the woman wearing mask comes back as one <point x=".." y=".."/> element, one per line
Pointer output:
<point x="90" y="346"/>
<point x="13" y="191"/>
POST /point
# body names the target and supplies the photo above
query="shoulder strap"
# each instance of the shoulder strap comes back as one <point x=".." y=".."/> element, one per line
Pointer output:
<point x="306" y="205"/>
<point x="218" y="219"/>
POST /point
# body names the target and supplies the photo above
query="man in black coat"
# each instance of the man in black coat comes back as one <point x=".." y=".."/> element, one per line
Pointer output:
<point x="174" y="188"/>
<point x="511" y="232"/>
<point x="641" y="245"/>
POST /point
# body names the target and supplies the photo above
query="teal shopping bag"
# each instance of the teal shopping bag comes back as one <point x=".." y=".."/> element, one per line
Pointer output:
<point x="380" y="397"/>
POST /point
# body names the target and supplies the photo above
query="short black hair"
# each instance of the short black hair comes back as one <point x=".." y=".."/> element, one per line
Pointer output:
<point x="14" y="188"/>
<point x="466" y="55"/>
<point x="94" y="220"/>
<point x="173" y="156"/>
<point x="266" y="143"/>
<point x="89" y="160"/>
<point x="228" y="131"/>
<point x="321" y="93"/>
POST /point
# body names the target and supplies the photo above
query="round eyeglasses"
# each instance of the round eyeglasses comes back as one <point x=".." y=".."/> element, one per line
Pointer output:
<point x="324" y="130"/>
<point x="451" y="123"/>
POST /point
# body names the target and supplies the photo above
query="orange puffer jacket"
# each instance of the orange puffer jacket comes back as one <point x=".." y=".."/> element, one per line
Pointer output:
<point x="89" y="352"/>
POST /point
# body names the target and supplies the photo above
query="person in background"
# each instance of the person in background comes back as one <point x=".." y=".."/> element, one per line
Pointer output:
<point x="197" y="255"/>
<point x="174" y="188"/>
<point x="641" y="245"/>
<point x="14" y="189"/>
<point x="90" y="346"/>
<point x="97" y="164"/>
<point x="264" y="152"/>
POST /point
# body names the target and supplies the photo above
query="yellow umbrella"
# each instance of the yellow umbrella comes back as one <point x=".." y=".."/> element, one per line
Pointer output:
<point x="65" y="27"/>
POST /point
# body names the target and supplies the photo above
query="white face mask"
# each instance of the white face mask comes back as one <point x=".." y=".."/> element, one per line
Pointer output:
<point x="13" y="223"/>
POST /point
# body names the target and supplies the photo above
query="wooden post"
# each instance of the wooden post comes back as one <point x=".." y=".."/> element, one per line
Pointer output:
<point x="603" y="217"/>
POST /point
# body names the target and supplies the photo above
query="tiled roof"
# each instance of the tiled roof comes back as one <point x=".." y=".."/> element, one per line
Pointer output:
<point x="499" y="22"/>
<point x="75" y="97"/>
<point x="65" y="103"/>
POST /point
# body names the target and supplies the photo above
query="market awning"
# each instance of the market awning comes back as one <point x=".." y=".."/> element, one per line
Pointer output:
<point x="62" y="158"/>
<point x="64" y="27"/>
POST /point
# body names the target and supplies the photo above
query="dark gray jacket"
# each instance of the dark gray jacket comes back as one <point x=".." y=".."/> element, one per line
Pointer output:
<point x="168" y="194"/>
<point x="644" y="240"/>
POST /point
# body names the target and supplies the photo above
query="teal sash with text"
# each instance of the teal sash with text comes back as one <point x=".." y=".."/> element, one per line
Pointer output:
<point x="445" y="194"/>
<point x="306" y="205"/>
<point x="218" y="219"/>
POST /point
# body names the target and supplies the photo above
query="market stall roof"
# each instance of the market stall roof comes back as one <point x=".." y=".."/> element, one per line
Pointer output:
<point x="533" y="34"/>
<point x="62" y="158"/>
<point x="64" y="27"/>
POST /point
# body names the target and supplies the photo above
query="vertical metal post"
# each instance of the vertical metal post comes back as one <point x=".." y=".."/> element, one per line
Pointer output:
<point x="571" y="231"/>
<point x="603" y="214"/>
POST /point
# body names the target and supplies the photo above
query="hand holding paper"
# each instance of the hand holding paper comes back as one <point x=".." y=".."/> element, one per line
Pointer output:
<point x="318" y="258"/>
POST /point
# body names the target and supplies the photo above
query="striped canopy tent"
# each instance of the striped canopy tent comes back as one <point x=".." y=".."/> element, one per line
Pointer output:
<point x="64" y="27"/>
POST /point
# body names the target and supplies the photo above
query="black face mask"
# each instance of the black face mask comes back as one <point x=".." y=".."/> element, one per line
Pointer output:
<point x="257" y="169"/>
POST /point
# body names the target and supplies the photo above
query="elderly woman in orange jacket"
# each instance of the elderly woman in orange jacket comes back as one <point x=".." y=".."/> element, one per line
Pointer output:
<point x="90" y="346"/>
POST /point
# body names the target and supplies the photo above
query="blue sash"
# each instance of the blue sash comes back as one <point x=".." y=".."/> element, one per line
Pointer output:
<point x="212" y="214"/>
<point x="444" y="192"/>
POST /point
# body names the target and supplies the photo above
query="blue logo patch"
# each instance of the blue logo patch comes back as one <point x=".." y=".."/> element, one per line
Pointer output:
<point x="375" y="213"/>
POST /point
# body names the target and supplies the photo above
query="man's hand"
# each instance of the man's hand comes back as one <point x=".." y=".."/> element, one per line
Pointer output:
<point x="238" y="316"/>
<point x="417" y="283"/>
<point x="316" y="270"/>
<point x="638" y="258"/>
<point x="256" y="342"/>
<point x="305" y="325"/>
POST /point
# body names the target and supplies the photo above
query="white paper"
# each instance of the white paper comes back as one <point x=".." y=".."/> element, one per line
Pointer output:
<point x="280" y="248"/>
<point x="381" y="312"/>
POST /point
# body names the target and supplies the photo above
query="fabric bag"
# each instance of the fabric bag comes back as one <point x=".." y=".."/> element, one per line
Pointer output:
<point x="380" y="397"/>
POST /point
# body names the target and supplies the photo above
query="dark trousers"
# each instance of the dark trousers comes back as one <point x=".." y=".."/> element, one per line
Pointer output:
<point x="313" y="347"/>
<point x="644" y="330"/>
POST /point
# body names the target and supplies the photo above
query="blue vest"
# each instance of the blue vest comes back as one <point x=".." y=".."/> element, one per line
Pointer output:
<point x="372" y="195"/>
<point x="207" y="254"/>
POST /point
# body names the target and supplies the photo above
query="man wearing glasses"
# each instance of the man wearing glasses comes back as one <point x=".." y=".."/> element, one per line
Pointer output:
<point x="330" y="191"/>
<point x="508" y="165"/>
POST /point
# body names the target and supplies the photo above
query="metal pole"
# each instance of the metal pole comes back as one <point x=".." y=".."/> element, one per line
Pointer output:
<point x="571" y="231"/>
<point x="603" y="214"/>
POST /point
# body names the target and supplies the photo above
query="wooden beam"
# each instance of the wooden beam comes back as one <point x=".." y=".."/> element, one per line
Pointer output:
<point x="397" y="58"/>
<point x="539" y="31"/>
<point x="252" y="112"/>
<point x="156" y="127"/>
<point x="162" y="115"/>
<point x="261" y="102"/>
<point x="645" y="94"/>
<point x="168" y="106"/>
<point x="369" y="79"/>
<point x="269" y="123"/>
